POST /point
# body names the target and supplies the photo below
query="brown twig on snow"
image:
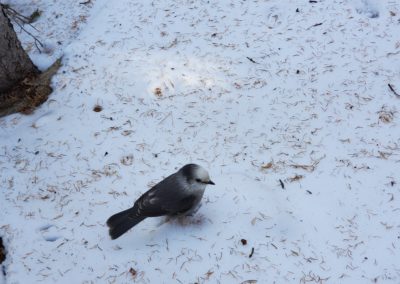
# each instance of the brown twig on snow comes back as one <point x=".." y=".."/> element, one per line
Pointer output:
<point x="393" y="90"/>
<point x="251" y="60"/>
<point x="16" y="16"/>
<point x="308" y="168"/>
<point x="315" y="25"/>
<point x="21" y="20"/>
<point x="36" y="40"/>
<point x="296" y="178"/>
<point x="252" y="252"/>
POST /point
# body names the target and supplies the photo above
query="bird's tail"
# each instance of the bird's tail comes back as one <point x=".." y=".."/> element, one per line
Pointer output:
<point x="122" y="222"/>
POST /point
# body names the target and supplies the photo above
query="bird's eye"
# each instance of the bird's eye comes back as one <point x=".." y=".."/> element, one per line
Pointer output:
<point x="198" y="180"/>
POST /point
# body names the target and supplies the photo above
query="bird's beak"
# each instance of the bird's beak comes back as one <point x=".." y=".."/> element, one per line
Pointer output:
<point x="210" y="182"/>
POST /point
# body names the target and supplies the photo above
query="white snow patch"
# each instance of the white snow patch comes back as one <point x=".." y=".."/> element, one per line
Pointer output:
<point x="264" y="94"/>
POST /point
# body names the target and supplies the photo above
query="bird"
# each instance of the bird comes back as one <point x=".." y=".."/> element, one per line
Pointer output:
<point x="178" y="194"/>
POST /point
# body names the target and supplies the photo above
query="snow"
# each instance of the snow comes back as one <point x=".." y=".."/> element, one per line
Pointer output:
<point x="257" y="92"/>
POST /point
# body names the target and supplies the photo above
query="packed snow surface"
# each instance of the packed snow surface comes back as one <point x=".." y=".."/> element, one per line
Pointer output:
<point x="287" y="104"/>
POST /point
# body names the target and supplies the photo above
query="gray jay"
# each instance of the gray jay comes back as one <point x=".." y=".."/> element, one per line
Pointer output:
<point x="178" y="194"/>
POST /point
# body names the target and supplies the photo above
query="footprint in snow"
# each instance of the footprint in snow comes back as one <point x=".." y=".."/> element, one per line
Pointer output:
<point x="369" y="8"/>
<point x="49" y="232"/>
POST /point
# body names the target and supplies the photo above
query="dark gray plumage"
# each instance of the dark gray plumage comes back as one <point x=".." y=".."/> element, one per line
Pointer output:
<point x="179" y="193"/>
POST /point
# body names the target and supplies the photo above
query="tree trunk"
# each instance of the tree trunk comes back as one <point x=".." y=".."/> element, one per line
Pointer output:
<point x="15" y="64"/>
<point x="22" y="86"/>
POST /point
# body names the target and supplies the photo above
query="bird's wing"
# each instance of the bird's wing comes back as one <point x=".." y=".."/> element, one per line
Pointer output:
<point x="165" y="207"/>
<point x="164" y="199"/>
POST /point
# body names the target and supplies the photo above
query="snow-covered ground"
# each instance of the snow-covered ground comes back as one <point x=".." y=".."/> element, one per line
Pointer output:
<point x="286" y="103"/>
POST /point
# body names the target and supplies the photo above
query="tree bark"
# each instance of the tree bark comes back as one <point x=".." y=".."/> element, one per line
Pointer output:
<point x="22" y="86"/>
<point x="15" y="64"/>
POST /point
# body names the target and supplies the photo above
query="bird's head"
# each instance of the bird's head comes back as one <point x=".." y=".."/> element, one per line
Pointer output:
<point x="196" y="174"/>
